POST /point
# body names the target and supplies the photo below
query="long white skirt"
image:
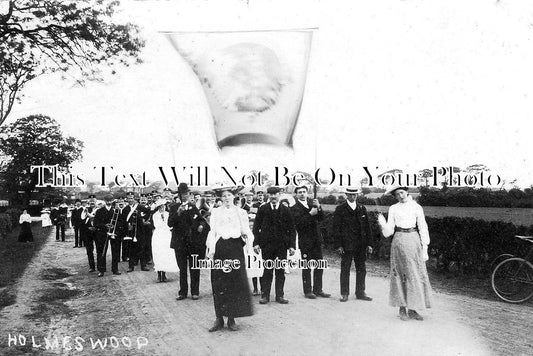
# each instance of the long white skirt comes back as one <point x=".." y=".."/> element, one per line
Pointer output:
<point x="164" y="257"/>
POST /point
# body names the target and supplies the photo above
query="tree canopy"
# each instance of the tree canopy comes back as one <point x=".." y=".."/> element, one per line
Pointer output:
<point x="34" y="140"/>
<point x="42" y="36"/>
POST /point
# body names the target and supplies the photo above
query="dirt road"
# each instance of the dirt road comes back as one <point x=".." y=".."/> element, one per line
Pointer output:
<point x="134" y="315"/>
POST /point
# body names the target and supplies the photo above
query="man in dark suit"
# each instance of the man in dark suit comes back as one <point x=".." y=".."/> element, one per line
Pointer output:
<point x="59" y="219"/>
<point x="307" y="213"/>
<point x="103" y="224"/>
<point x="274" y="233"/>
<point x="188" y="238"/>
<point x="89" y="231"/>
<point x="353" y="239"/>
<point x="123" y="220"/>
<point x="138" y="231"/>
<point x="76" y="223"/>
<point x="183" y="217"/>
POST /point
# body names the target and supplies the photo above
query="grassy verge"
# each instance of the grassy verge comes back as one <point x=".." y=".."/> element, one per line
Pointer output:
<point x="14" y="257"/>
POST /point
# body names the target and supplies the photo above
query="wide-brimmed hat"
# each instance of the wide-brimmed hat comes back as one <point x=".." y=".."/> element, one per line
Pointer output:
<point x="394" y="188"/>
<point x="159" y="202"/>
<point x="352" y="190"/>
<point x="228" y="188"/>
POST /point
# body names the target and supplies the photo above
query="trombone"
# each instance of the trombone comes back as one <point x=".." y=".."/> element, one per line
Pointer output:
<point x="111" y="229"/>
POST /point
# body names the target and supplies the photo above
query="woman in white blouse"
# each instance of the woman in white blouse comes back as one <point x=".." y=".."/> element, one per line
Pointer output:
<point x="25" y="227"/>
<point x="230" y="232"/>
<point x="409" y="284"/>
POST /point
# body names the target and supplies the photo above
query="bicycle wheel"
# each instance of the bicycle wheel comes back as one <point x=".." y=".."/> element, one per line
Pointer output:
<point x="499" y="260"/>
<point x="512" y="280"/>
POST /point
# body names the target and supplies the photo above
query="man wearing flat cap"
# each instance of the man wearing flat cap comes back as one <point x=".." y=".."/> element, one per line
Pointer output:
<point x="353" y="239"/>
<point x="274" y="233"/>
<point x="307" y="213"/>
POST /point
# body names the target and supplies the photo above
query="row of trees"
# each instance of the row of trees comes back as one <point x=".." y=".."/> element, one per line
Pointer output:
<point x="470" y="197"/>
<point x="78" y="37"/>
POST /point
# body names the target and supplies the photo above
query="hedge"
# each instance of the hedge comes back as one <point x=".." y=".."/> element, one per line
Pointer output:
<point x="5" y="225"/>
<point x="460" y="245"/>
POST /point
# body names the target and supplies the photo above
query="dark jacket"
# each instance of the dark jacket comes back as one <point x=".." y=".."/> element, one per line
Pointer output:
<point x="274" y="229"/>
<point x="307" y="225"/>
<point x="136" y="222"/>
<point x="76" y="217"/>
<point x="181" y="222"/>
<point x="103" y="217"/>
<point x="198" y="239"/>
<point x="351" y="229"/>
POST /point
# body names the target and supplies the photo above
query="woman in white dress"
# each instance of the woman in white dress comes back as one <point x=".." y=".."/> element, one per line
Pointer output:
<point x="163" y="256"/>
<point x="409" y="283"/>
<point x="45" y="218"/>
<point x="230" y="232"/>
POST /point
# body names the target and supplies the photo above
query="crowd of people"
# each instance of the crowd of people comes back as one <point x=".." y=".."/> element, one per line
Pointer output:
<point x="173" y="231"/>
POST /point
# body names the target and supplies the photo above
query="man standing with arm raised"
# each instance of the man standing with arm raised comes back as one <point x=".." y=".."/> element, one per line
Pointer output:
<point x="352" y="235"/>
<point x="307" y="213"/>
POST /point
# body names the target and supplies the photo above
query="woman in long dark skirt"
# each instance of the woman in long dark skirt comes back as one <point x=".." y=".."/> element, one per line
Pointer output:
<point x="25" y="227"/>
<point x="229" y="234"/>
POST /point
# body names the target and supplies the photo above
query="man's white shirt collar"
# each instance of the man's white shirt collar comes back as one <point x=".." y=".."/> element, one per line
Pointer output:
<point x="352" y="205"/>
<point x="304" y="203"/>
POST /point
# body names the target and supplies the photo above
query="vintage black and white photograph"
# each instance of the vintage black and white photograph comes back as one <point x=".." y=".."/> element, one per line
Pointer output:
<point x="266" y="177"/>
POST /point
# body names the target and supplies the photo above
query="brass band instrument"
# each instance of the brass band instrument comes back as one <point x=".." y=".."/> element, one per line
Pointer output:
<point x="134" y="228"/>
<point x="111" y="227"/>
<point x="90" y="216"/>
<point x="111" y="230"/>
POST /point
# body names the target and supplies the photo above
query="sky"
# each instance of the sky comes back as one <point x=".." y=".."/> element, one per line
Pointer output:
<point x="390" y="84"/>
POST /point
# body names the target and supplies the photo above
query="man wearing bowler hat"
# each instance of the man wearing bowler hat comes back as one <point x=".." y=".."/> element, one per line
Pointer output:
<point x="274" y="233"/>
<point x="352" y="236"/>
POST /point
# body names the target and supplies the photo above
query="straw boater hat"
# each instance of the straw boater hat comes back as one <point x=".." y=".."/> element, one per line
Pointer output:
<point x="394" y="188"/>
<point x="227" y="188"/>
<point x="351" y="190"/>
<point x="159" y="202"/>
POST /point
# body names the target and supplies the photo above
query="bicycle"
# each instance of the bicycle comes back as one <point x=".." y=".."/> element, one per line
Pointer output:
<point x="512" y="278"/>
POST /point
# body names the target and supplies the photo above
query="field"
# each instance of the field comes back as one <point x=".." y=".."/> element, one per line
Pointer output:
<point x="516" y="216"/>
